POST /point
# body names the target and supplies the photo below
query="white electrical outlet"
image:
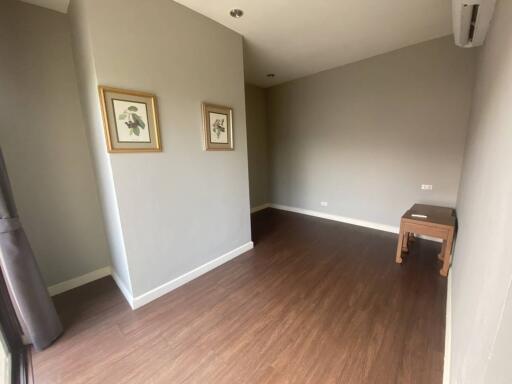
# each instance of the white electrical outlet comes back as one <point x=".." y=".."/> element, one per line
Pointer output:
<point x="324" y="203"/>
<point x="426" y="187"/>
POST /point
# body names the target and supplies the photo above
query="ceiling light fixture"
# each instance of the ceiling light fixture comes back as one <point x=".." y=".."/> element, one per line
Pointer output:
<point x="236" y="13"/>
<point x="271" y="75"/>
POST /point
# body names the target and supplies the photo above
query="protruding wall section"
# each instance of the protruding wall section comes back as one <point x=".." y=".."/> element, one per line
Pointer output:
<point x="87" y="79"/>
<point x="171" y="212"/>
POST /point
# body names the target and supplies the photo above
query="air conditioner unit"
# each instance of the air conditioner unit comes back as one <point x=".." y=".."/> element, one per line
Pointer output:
<point x="471" y="20"/>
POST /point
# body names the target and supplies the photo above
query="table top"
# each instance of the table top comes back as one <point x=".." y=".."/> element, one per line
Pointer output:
<point x="434" y="214"/>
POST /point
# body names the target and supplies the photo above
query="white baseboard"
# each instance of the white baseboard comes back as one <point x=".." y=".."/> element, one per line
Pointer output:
<point x="78" y="281"/>
<point x="139" y="301"/>
<point x="448" y="333"/>
<point x="260" y="207"/>
<point x="155" y="293"/>
<point x="122" y="287"/>
<point x="342" y="219"/>
<point x="347" y="220"/>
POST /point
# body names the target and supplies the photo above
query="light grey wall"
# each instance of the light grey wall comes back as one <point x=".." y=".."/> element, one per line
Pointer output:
<point x="183" y="207"/>
<point x="257" y="143"/>
<point x="365" y="136"/>
<point x="482" y="266"/>
<point x="43" y="138"/>
<point x="87" y="81"/>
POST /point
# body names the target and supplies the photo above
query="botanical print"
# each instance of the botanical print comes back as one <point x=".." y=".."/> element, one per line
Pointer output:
<point x="218" y="128"/>
<point x="131" y="120"/>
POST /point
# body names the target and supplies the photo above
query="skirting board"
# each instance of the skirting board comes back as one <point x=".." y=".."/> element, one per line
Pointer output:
<point x="122" y="287"/>
<point x="342" y="219"/>
<point x="448" y="333"/>
<point x="347" y="220"/>
<point x="260" y="207"/>
<point x="78" y="281"/>
<point x="155" y="293"/>
<point x="139" y="301"/>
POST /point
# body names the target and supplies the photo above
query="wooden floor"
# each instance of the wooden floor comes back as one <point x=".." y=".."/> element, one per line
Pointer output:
<point x="316" y="301"/>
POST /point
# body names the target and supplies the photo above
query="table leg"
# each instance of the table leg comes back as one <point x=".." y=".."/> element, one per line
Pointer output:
<point x="405" y="246"/>
<point x="399" y="247"/>
<point x="447" y="259"/>
<point x="440" y="256"/>
<point x="412" y="237"/>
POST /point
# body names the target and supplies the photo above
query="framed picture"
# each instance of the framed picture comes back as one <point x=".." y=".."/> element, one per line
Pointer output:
<point x="217" y="128"/>
<point x="130" y="119"/>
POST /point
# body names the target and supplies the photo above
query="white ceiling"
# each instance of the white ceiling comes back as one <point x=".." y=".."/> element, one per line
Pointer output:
<point x="295" y="38"/>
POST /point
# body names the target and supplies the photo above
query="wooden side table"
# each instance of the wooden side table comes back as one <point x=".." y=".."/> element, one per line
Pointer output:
<point x="429" y="220"/>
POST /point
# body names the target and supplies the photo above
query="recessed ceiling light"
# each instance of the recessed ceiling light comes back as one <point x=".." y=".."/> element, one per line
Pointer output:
<point x="271" y="75"/>
<point x="236" y="13"/>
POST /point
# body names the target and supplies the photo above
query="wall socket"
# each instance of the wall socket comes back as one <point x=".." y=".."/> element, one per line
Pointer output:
<point x="324" y="203"/>
<point x="426" y="187"/>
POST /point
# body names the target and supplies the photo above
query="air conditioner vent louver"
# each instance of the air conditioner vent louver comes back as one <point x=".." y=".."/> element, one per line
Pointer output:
<point x="472" y="26"/>
<point x="471" y="19"/>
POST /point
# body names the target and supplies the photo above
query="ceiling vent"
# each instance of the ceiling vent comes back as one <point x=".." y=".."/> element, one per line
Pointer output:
<point x="471" y="20"/>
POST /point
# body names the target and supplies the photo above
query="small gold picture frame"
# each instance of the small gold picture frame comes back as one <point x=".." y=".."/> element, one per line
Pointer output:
<point x="130" y="119"/>
<point x="217" y="128"/>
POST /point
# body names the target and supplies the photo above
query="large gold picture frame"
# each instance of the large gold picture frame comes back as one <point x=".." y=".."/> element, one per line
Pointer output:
<point x="130" y="119"/>
<point x="217" y="128"/>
